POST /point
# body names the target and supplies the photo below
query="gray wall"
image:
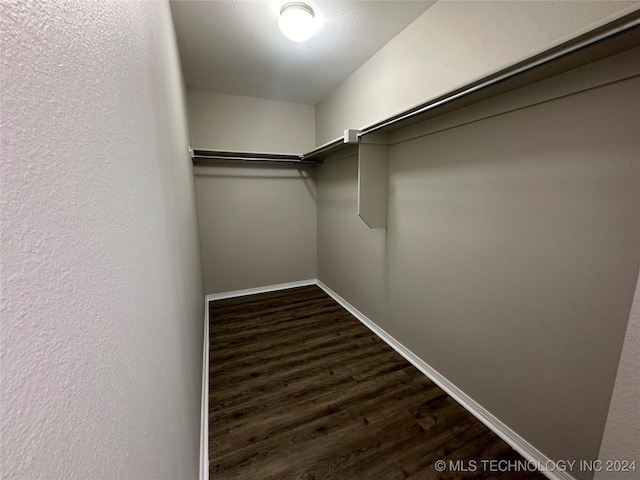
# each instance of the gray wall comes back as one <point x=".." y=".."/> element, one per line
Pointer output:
<point x="450" y="45"/>
<point x="257" y="225"/>
<point x="231" y="122"/>
<point x="621" y="439"/>
<point x="351" y="256"/>
<point x="510" y="259"/>
<point x="102" y="297"/>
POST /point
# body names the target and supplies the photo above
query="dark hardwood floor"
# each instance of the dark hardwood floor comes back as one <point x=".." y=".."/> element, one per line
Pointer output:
<point x="300" y="389"/>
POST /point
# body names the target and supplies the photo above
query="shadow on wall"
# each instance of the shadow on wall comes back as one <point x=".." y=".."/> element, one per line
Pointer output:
<point x="510" y="257"/>
<point x="303" y="174"/>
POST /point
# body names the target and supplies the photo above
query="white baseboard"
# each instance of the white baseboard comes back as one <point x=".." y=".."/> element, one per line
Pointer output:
<point x="253" y="291"/>
<point x="519" y="444"/>
<point x="204" y="413"/>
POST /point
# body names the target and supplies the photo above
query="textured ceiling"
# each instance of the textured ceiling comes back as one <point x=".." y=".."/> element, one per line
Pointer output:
<point x="235" y="47"/>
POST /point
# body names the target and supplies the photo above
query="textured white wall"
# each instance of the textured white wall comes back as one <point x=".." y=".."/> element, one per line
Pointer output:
<point x="231" y="122"/>
<point x="450" y="45"/>
<point x="102" y="297"/>
<point x="621" y="439"/>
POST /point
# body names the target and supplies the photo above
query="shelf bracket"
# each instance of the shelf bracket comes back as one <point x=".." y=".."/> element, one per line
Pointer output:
<point x="373" y="183"/>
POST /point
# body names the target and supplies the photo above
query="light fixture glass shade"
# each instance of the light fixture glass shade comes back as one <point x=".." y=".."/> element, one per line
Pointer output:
<point x="297" y="21"/>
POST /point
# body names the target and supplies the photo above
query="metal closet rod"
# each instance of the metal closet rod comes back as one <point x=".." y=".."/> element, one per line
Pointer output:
<point x="619" y="26"/>
<point x="309" y="157"/>
<point x="204" y="155"/>
<point x="507" y="74"/>
<point x="324" y="148"/>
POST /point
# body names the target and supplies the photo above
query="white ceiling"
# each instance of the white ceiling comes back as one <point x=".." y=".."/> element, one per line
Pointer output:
<point x="235" y="46"/>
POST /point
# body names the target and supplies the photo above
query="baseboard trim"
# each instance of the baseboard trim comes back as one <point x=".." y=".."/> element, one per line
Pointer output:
<point x="204" y="413"/>
<point x="519" y="444"/>
<point x="253" y="291"/>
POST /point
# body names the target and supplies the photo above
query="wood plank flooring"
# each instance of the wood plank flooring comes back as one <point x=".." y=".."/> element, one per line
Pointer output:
<point x="300" y="389"/>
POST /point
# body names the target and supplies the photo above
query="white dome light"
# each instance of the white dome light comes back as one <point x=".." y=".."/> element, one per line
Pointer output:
<point x="297" y="21"/>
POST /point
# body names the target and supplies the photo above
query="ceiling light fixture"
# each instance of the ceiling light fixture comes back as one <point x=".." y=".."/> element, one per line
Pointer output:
<point x="297" y="21"/>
